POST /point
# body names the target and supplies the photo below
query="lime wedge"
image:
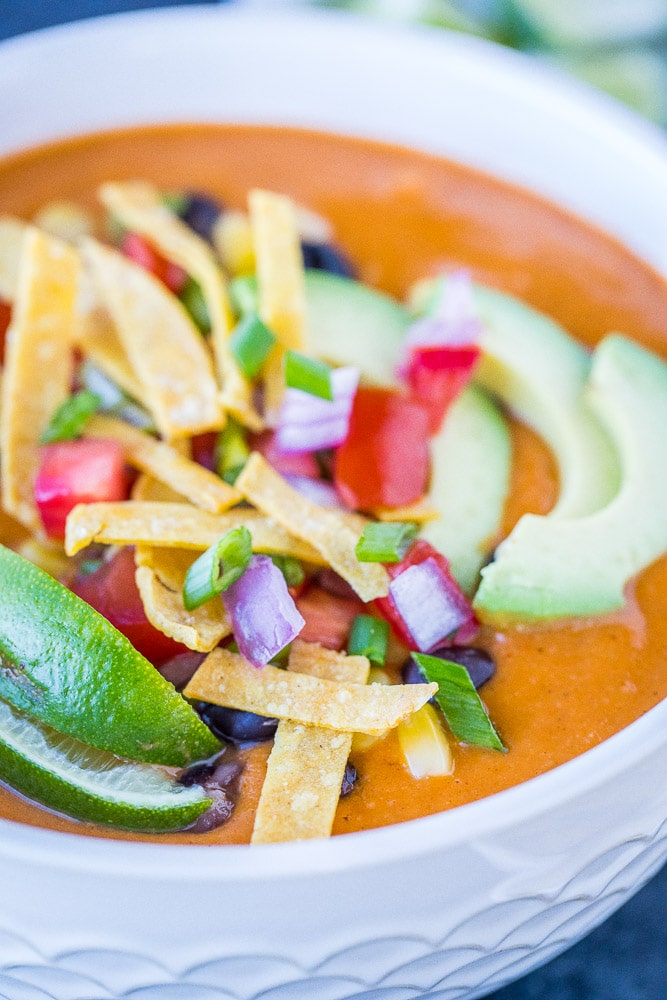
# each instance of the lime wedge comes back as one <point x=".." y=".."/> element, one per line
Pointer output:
<point x="67" y="667"/>
<point x="562" y="24"/>
<point x="87" y="784"/>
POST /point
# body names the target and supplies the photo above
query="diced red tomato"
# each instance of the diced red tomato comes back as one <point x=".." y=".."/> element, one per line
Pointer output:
<point x="419" y="552"/>
<point x="112" y="591"/>
<point x="204" y="448"/>
<point x="436" y="376"/>
<point x="384" y="461"/>
<point x="142" y="253"/>
<point x="298" y="464"/>
<point x="5" y="318"/>
<point x="328" y="617"/>
<point x="73" y="472"/>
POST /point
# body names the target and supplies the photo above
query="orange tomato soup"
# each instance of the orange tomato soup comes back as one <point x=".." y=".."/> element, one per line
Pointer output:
<point x="560" y="689"/>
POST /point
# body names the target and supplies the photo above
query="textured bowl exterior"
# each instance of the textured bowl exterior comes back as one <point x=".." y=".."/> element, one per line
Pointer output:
<point x="451" y="906"/>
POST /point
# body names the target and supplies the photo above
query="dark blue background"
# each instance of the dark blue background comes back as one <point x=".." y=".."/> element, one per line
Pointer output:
<point x="626" y="958"/>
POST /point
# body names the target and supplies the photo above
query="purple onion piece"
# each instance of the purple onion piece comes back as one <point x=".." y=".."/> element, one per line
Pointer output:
<point x="263" y="614"/>
<point x="426" y="603"/>
<point x="317" y="490"/>
<point x="308" y="423"/>
<point x="454" y="323"/>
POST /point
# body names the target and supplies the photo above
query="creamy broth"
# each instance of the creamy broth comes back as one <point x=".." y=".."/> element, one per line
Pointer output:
<point x="401" y="216"/>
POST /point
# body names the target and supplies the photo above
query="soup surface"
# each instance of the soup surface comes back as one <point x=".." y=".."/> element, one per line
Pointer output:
<point x="560" y="689"/>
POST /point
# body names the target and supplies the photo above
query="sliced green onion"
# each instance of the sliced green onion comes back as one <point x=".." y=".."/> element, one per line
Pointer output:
<point x="461" y="705"/>
<point x="386" y="542"/>
<point x="291" y="569"/>
<point x="217" y="568"/>
<point x="232" y="451"/>
<point x="308" y="374"/>
<point x="193" y="299"/>
<point x="250" y="343"/>
<point x="71" y="417"/>
<point x="175" y="201"/>
<point x="369" y="637"/>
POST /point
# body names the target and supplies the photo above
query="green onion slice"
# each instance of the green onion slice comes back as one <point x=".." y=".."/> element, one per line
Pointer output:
<point x="461" y="705"/>
<point x="308" y="374"/>
<point x="369" y="637"/>
<point x="218" y="567"/>
<point x="291" y="569"/>
<point x="193" y="299"/>
<point x="71" y="417"/>
<point x="232" y="451"/>
<point x="386" y="542"/>
<point x="250" y="343"/>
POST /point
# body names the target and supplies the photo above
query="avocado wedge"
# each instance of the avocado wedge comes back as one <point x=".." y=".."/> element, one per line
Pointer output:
<point x="554" y="567"/>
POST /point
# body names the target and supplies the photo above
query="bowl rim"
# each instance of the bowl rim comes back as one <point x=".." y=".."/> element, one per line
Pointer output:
<point x="417" y="837"/>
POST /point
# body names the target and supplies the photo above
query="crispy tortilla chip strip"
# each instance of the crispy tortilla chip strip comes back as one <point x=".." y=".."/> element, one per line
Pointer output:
<point x="12" y="231"/>
<point x="143" y="452"/>
<point x="175" y="525"/>
<point x="98" y="340"/>
<point x="138" y="206"/>
<point x="307" y="764"/>
<point x="225" y="678"/>
<point x="147" y="489"/>
<point x="160" y="577"/>
<point x="326" y="530"/>
<point x="280" y="284"/>
<point x="164" y="347"/>
<point x="419" y="512"/>
<point x="39" y="365"/>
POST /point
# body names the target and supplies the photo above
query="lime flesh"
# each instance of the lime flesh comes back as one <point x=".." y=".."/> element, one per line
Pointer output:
<point x="92" y="785"/>
<point x="67" y="667"/>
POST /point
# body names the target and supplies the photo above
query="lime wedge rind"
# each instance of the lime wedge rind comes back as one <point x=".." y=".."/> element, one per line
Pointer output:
<point x="67" y="667"/>
<point x="92" y="785"/>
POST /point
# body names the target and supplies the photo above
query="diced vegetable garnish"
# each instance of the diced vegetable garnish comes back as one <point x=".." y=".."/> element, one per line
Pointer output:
<point x="383" y="461"/>
<point x="369" y="637"/>
<point x="71" y="417"/>
<point x="318" y="490"/>
<point x="291" y="569"/>
<point x="385" y="542"/>
<point x="308" y="423"/>
<point x="251" y="343"/>
<point x="329" y="617"/>
<point x="137" y="249"/>
<point x="437" y="375"/>
<point x="75" y="472"/>
<point x="446" y="600"/>
<point x="5" y="319"/>
<point x="264" y="616"/>
<point x="193" y="299"/>
<point x="112" y="591"/>
<point x="308" y="374"/>
<point x="218" y="568"/>
<point x="462" y="707"/>
<point x="425" y="745"/>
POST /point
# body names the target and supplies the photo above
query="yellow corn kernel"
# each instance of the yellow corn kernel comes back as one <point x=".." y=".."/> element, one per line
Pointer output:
<point x="232" y="240"/>
<point x="425" y="745"/>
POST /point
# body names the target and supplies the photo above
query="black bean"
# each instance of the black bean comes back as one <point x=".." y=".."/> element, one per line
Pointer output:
<point x="324" y="257"/>
<point x="478" y="663"/>
<point x="220" y="780"/>
<point x="201" y="213"/>
<point x="180" y="668"/>
<point x="349" y="780"/>
<point x="196" y="775"/>
<point x="234" y="725"/>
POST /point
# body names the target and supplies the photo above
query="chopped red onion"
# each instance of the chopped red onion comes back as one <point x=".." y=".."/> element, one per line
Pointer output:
<point x="318" y="490"/>
<point x="264" y="616"/>
<point x="454" y="322"/>
<point x="304" y="464"/>
<point x="308" y="423"/>
<point x="431" y="609"/>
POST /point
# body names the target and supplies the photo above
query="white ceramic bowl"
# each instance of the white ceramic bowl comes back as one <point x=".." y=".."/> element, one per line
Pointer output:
<point x="454" y="905"/>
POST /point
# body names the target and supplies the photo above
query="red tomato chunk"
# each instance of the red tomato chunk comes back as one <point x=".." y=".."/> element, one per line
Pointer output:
<point x="73" y="472"/>
<point x="5" y="318"/>
<point x="142" y="253"/>
<point x="384" y="461"/>
<point x="437" y="375"/>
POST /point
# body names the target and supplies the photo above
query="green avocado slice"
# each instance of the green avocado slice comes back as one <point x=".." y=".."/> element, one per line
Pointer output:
<point x="470" y="477"/>
<point x="551" y="568"/>
<point x="348" y="323"/>
<point x="67" y="667"/>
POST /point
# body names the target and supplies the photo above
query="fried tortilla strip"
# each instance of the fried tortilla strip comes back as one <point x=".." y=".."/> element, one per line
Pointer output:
<point x="139" y="206"/>
<point x="164" y="347"/>
<point x="143" y="452"/>
<point x="418" y="512"/>
<point x="225" y="678"/>
<point x="328" y="531"/>
<point x="39" y="365"/>
<point x="280" y="284"/>
<point x="12" y="231"/>
<point x="307" y="764"/>
<point x="160" y="577"/>
<point x="175" y="525"/>
<point x="151" y="490"/>
<point x="98" y="340"/>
